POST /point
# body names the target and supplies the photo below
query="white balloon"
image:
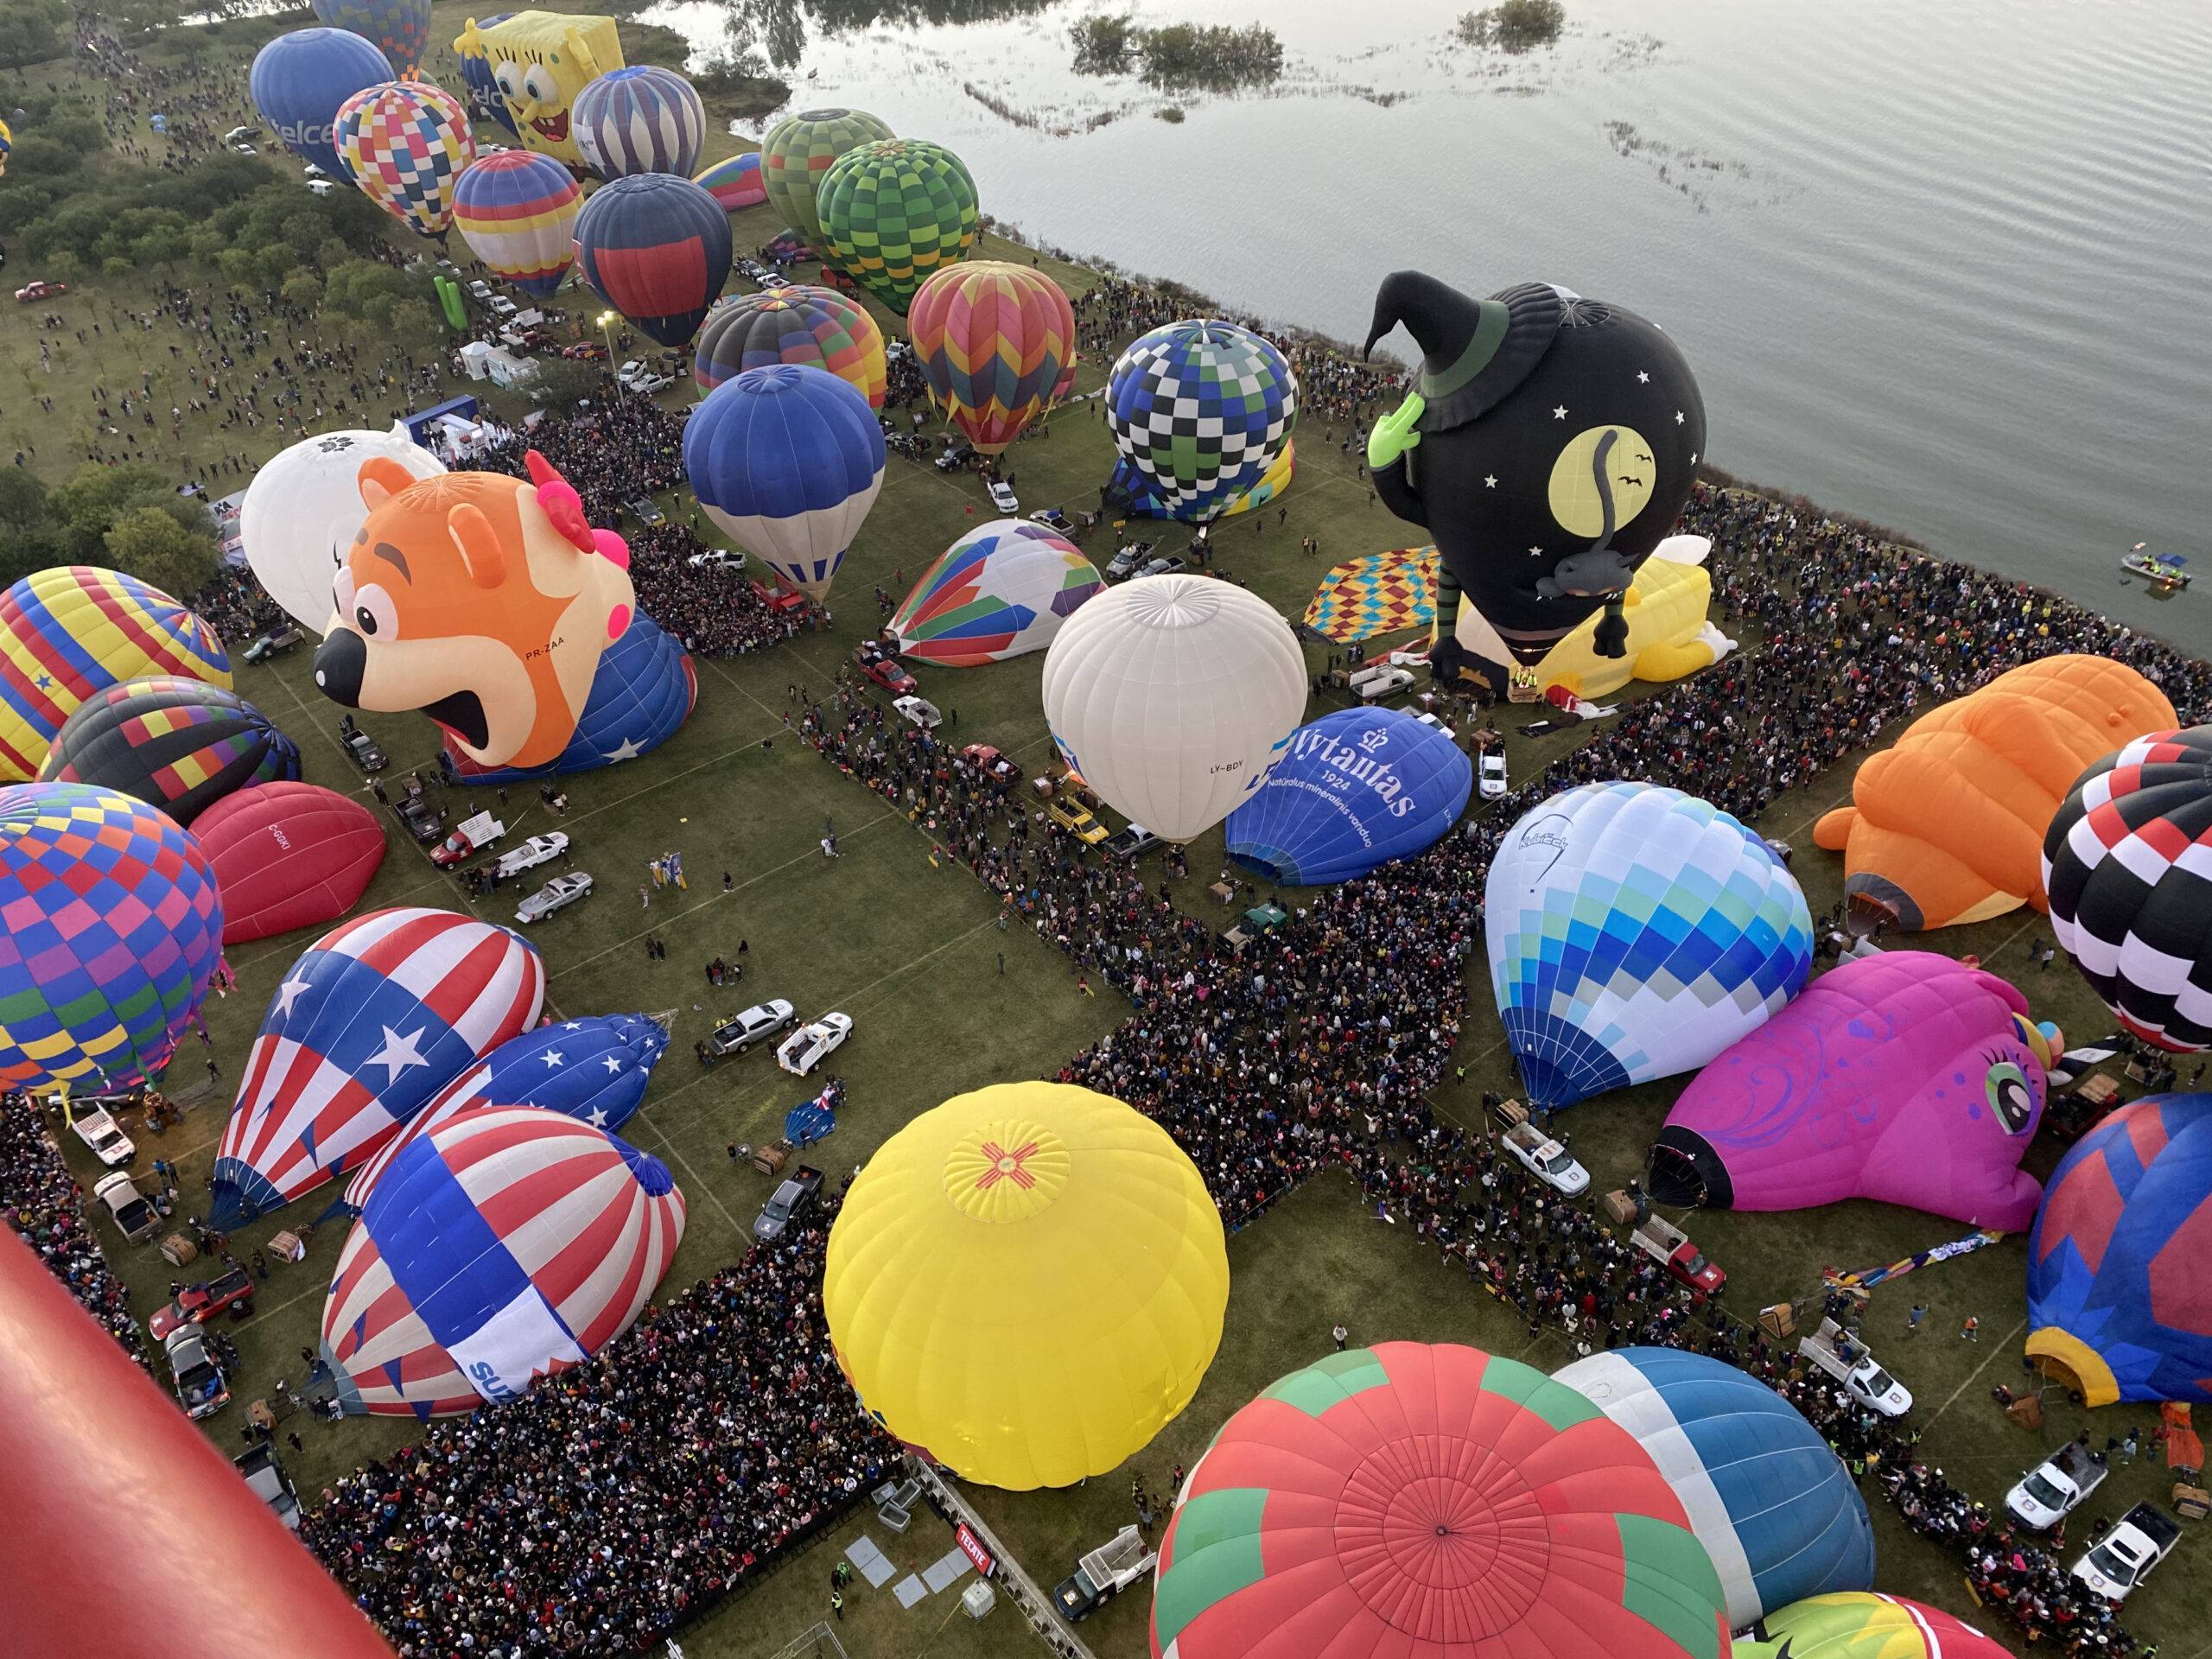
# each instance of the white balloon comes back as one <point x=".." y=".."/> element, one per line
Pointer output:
<point x="303" y="509"/>
<point x="1174" y="696"/>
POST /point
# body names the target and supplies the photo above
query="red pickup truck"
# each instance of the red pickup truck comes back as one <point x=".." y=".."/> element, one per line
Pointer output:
<point x="197" y="1304"/>
<point x="1685" y="1263"/>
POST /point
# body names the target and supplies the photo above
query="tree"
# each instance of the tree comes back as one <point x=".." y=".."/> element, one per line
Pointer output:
<point x="147" y="544"/>
<point x="562" y="385"/>
<point x="32" y="31"/>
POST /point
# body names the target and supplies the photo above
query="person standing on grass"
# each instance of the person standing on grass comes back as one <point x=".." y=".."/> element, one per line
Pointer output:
<point x="1971" y="1331"/>
<point x="1339" y="1335"/>
<point x="1912" y="1319"/>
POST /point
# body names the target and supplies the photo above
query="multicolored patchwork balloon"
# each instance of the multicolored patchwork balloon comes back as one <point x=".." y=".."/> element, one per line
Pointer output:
<point x="798" y="324"/>
<point x="1002" y="589"/>
<point x="895" y="210"/>
<point x="994" y="341"/>
<point x="1199" y="410"/>
<point x="1869" y="1625"/>
<point x="399" y="28"/>
<point x="641" y="119"/>
<point x="180" y="745"/>
<point x="405" y="144"/>
<point x="516" y="210"/>
<point x="799" y="152"/>
<point x="735" y="181"/>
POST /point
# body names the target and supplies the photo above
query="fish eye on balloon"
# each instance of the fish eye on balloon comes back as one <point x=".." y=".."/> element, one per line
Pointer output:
<point x="2009" y="1097"/>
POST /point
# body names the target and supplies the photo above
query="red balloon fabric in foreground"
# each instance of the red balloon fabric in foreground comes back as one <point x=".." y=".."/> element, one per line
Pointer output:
<point x="288" y="855"/>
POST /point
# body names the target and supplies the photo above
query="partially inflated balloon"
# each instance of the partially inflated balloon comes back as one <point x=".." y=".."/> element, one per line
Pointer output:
<point x="399" y="28"/>
<point x="993" y="340"/>
<point x="1354" y="790"/>
<point x="795" y="324"/>
<point x="405" y="144"/>
<point x="1199" y="412"/>
<point x="517" y="210"/>
<point x="1172" y="696"/>
<point x="1866" y="1625"/>
<point x="735" y="181"/>
<point x="303" y="509"/>
<point x="797" y="154"/>
<point x="180" y="745"/>
<point x="645" y="688"/>
<point x="1002" y="589"/>
<point x="641" y="119"/>
<point x="656" y="248"/>
<point x="895" y="211"/>
<point x="298" y="82"/>
<point x="288" y="855"/>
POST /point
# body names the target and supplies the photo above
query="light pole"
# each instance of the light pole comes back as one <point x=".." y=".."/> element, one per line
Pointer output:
<point x="605" y="325"/>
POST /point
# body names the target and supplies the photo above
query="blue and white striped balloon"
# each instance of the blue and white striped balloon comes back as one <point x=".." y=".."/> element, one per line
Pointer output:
<point x="644" y="120"/>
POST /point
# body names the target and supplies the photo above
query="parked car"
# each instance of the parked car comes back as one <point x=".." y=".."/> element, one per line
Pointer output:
<point x="2053" y="1488"/>
<point x="1490" y="775"/>
<point x="480" y="292"/>
<point x="2124" y="1556"/>
<point x="1683" y="1263"/>
<point x="1547" y="1159"/>
<point x="197" y="1304"/>
<point x="717" y="558"/>
<point x="1002" y="496"/>
<point x="924" y="713"/>
<point x="1054" y="520"/>
<point x="424" y="821"/>
<point x="319" y="187"/>
<point x="362" y="749"/>
<point x="808" y="1047"/>
<point x="273" y="643"/>
<point x="1001" y="769"/>
<point x="888" y="673"/>
<point x="792" y="1199"/>
<point x="200" y="1386"/>
<point x="132" y="1212"/>
<point x="470" y="837"/>
<point x="640" y="377"/>
<point x="557" y="895"/>
<point x="741" y="1031"/>
<point x="500" y="306"/>
<point x="243" y="149"/>
<point x="538" y="850"/>
<point x="1076" y="820"/>
<point x="92" y="1123"/>
<point x="642" y="508"/>
<point x="1383" y="682"/>
<point x="584" y="350"/>
<point x="1126" y="560"/>
<point x="1167" y="565"/>
<point x="265" y="1479"/>
<point x="1131" y="843"/>
<point x="240" y="135"/>
<point x="311" y="171"/>
<point x="953" y="457"/>
<point x="41" y="289"/>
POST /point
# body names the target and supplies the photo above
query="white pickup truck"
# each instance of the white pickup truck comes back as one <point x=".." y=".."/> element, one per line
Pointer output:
<point x="1104" y="1574"/>
<point x="2055" y="1487"/>
<point x="1847" y="1361"/>
<point x="2124" y="1556"/>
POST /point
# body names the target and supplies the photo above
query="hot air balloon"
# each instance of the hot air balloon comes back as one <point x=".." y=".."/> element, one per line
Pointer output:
<point x="288" y="854"/>
<point x="113" y="924"/>
<point x="799" y="152"/>
<point x="787" y="460"/>
<point x="405" y="144"/>
<point x="70" y="631"/>
<point x="1199" y="412"/>
<point x="303" y="509"/>
<point x="1766" y="1496"/>
<point x="796" y="324"/>
<point x="1558" y="439"/>
<point x="2119" y="1304"/>
<point x="1947" y="826"/>
<point x="1634" y="932"/>
<point x="376" y="1016"/>
<point x="656" y="249"/>
<point x="1354" y="790"/>
<point x="1028" y="1187"/>
<point x="517" y="210"/>
<point x="180" y="745"/>
<point x="485" y="99"/>
<point x="592" y="1070"/>
<point x="1273" y="482"/>
<point x="896" y="210"/>
<point x="1000" y="591"/>
<point x="299" y="80"/>
<point x="644" y="689"/>
<point x="1905" y="1076"/>
<point x="734" y="181"/>
<point x="1172" y="696"/>
<point x="1866" y="1625"/>
<point x="399" y="28"/>
<point x="1409" y="1499"/>
<point x="538" y="62"/>
<point x="506" y="1245"/>
<point x="641" y="119"/>
<point x="993" y="340"/>
<point x="2129" y="893"/>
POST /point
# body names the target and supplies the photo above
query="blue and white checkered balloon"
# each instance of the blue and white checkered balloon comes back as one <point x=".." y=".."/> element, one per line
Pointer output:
<point x="1200" y="410"/>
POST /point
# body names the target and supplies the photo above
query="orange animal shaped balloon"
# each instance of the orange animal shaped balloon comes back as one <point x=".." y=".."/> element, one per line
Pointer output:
<point x="1947" y="826"/>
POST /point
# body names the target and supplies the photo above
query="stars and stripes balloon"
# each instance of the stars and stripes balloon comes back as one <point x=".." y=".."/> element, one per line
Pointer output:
<point x="1200" y="410"/>
<point x="405" y="144"/>
<point x="506" y="1244"/>
<point x="734" y="181"/>
<point x="641" y="119"/>
<point x="374" y="1019"/>
<point x="180" y="745"/>
<point x="110" y="926"/>
<point x="796" y="324"/>
<point x="657" y="248"/>
<point x="516" y="210"/>
<point x="287" y="856"/>
<point x="399" y="28"/>
<point x="994" y="341"/>
<point x="1000" y="591"/>
<point x="895" y="210"/>
<point x="797" y="154"/>
<point x="592" y="1070"/>
<point x="2128" y="867"/>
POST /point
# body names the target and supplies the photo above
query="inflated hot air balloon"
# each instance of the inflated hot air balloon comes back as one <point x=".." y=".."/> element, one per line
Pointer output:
<point x="734" y="181"/>
<point x="405" y="144"/>
<point x="303" y="509"/>
<point x="287" y="856"/>
<point x="299" y="80"/>
<point x="374" y="1019"/>
<point x="1199" y="412"/>
<point x="796" y="324"/>
<point x="1172" y="696"/>
<point x="1000" y="591"/>
<point x="641" y="119"/>
<point x="644" y="689"/>
<point x="1354" y="790"/>
<point x="180" y="745"/>
<point x="538" y="61"/>
<point x="1947" y="826"/>
<point x="399" y="28"/>
<point x="1550" y="442"/>
<point x="656" y="249"/>
<point x="993" y="340"/>
<point x="68" y="632"/>
<point x="1766" y="1496"/>
<point x="1437" y="1501"/>
<point x="1866" y="1625"/>
<point x="485" y="99"/>
<point x="1635" y="932"/>
<point x="112" y="925"/>
<point x="2119" y="1302"/>
<point x="1028" y="1187"/>
<point x="592" y="1070"/>
<point x="893" y="212"/>
<point x="787" y="460"/>
<point x="506" y="1245"/>
<point x="517" y="210"/>
<point x="797" y="154"/>
<point x="2129" y="889"/>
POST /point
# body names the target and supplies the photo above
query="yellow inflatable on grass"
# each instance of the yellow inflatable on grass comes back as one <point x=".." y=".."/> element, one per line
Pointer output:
<point x="540" y="60"/>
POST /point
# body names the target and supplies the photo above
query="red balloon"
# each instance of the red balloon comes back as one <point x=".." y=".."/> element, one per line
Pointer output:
<point x="288" y="855"/>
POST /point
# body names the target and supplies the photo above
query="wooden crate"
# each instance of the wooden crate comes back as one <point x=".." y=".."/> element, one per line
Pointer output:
<point x="1779" y="1321"/>
<point x="2191" y="1503"/>
<point x="770" y="1160"/>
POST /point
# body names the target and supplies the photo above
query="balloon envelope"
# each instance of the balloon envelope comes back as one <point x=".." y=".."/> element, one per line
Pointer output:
<point x="180" y="745"/>
<point x="1634" y="932"/>
<point x="113" y="924"/>
<point x="734" y="181"/>
<point x="645" y="687"/>
<point x="1001" y="590"/>
<point x="399" y="28"/>
<point x="993" y="340"/>
<point x="1029" y="1188"/>
<point x="405" y="144"/>
<point x="506" y="1245"/>
<point x="288" y="854"/>
<point x="303" y="509"/>
<point x="299" y="80"/>
<point x="640" y="119"/>
<point x="801" y="324"/>
<point x="1354" y="790"/>
<point x="485" y="99"/>
<point x="1172" y="696"/>
<point x="896" y="210"/>
<point x="517" y="210"/>
<point x="1866" y="1625"/>
<point x="656" y="248"/>
<point x="538" y="62"/>
<point x="1200" y="411"/>
<point x="798" y="153"/>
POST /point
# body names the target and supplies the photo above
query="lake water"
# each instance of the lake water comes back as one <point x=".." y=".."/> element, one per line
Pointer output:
<point x="1941" y="265"/>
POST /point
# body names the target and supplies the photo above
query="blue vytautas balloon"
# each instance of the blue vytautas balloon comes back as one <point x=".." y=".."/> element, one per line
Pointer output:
<point x="299" y="79"/>
<point x="1353" y="790"/>
<point x="1765" y="1494"/>
<point x="1635" y="932"/>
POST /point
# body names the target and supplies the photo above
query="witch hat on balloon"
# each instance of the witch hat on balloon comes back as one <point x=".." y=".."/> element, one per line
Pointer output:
<point x="1474" y="351"/>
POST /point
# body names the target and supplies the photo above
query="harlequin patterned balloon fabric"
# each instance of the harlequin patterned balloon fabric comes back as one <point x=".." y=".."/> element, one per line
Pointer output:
<point x="1376" y="595"/>
<point x="797" y="324"/>
<point x="406" y="143"/>
<point x="109" y="925"/>
<point x="799" y="152"/>
<point x="401" y="28"/>
<point x="735" y="181"/>
<point x="641" y="119"/>
<point x="516" y="210"/>
<point x="1200" y="410"/>
<point x="178" y="744"/>
<point x="994" y="341"/>
<point x="896" y="210"/>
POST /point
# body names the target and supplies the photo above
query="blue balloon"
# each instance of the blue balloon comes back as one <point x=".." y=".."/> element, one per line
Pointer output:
<point x="298" y="81"/>
<point x="1353" y="790"/>
<point x="486" y="101"/>
<point x="1766" y="1496"/>
<point x="656" y="248"/>
<point x="643" y="690"/>
<point x="593" y="1069"/>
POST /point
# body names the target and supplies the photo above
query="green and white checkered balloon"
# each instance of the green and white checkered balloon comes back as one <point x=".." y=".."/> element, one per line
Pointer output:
<point x="896" y="211"/>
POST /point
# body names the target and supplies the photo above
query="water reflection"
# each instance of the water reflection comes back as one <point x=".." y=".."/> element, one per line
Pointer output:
<point x="774" y="31"/>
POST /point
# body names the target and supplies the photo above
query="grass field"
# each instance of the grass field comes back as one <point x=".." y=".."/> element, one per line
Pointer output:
<point x="943" y="1001"/>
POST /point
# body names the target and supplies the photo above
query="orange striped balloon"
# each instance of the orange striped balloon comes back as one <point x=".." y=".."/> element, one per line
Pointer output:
<point x="994" y="341"/>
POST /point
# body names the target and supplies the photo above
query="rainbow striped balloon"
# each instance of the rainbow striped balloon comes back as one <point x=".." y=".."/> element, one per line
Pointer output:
<point x="995" y="342"/>
<point x="178" y="744"/>
<point x="72" y="632"/>
<point x="797" y="324"/>
<point x="405" y="143"/>
<point x="516" y="210"/>
<point x="735" y="181"/>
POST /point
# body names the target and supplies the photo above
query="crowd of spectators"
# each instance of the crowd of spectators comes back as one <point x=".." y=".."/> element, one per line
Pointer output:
<point x="45" y="1204"/>
<point x="619" y="450"/>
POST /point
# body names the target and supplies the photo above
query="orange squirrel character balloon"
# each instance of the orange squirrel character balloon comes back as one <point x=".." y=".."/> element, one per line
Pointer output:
<point x="483" y="600"/>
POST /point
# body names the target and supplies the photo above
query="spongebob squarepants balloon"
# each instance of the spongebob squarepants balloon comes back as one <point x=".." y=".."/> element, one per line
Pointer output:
<point x="539" y="60"/>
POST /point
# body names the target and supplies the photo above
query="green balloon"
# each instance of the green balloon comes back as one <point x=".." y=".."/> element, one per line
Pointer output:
<point x="895" y="212"/>
<point x="798" y="152"/>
